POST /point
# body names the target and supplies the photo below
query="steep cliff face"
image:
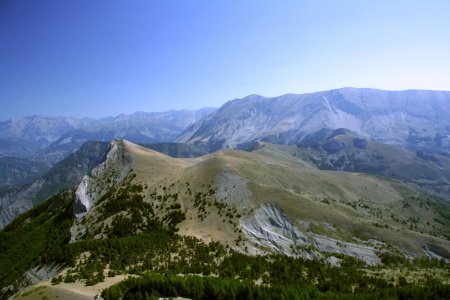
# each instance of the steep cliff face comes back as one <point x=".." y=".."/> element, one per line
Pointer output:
<point x="103" y="178"/>
<point x="65" y="174"/>
<point x="415" y="119"/>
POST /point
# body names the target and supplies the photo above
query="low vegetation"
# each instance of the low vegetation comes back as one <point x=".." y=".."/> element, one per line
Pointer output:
<point x="168" y="265"/>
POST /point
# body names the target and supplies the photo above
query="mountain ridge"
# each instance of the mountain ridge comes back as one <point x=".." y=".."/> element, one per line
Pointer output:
<point x="394" y="117"/>
<point x="64" y="174"/>
<point x="259" y="188"/>
<point x="372" y="116"/>
<point x="50" y="139"/>
<point x="345" y="151"/>
<point x="141" y="211"/>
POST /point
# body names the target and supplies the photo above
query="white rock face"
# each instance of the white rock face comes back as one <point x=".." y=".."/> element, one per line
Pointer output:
<point x="386" y="116"/>
<point x="362" y="252"/>
<point x="75" y="167"/>
<point x="431" y="254"/>
<point x="271" y="228"/>
<point x="83" y="202"/>
<point x="102" y="178"/>
<point x="105" y="176"/>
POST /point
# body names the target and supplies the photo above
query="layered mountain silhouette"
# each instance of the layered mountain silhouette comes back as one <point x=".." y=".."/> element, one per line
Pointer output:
<point x="348" y="177"/>
<point x="414" y="119"/>
<point x="50" y="139"/>
<point x="398" y="134"/>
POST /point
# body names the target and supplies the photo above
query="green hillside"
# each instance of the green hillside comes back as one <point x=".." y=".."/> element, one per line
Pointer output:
<point x="189" y="228"/>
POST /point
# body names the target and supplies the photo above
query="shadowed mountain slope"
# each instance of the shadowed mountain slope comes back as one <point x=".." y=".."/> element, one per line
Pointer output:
<point x="345" y="151"/>
<point x="16" y="170"/>
<point x="50" y="139"/>
<point x="65" y="174"/>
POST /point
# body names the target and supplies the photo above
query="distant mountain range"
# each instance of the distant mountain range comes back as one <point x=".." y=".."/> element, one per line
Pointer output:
<point x="50" y="139"/>
<point x="415" y="119"/>
<point x="27" y="136"/>
<point x="403" y="135"/>
<point x="346" y="177"/>
<point x="38" y="183"/>
<point x="64" y="174"/>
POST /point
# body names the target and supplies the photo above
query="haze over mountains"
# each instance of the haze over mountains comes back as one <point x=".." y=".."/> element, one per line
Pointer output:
<point x="64" y="174"/>
<point x="357" y="173"/>
<point x="416" y="119"/>
<point x="50" y="139"/>
<point x="413" y="119"/>
<point x="403" y="135"/>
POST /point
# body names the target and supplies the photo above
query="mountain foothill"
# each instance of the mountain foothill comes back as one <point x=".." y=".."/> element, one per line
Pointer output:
<point x="334" y="195"/>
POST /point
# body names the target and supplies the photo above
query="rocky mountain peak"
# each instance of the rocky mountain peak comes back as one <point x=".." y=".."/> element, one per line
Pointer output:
<point x="393" y="117"/>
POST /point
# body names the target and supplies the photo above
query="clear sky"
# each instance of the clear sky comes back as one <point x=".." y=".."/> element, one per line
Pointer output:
<point x="105" y="57"/>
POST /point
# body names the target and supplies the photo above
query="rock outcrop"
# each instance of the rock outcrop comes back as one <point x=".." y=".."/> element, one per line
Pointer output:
<point x="270" y="228"/>
<point x="105" y="176"/>
<point x="33" y="276"/>
<point x="66" y="174"/>
<point x="413" y="118"/>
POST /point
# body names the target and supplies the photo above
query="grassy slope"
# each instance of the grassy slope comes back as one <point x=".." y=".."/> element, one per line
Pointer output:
<point x="407" y="212"/>
<point x="430" y="171"/>
<point x="243" y="180"/>
<point x="355" y="205"/>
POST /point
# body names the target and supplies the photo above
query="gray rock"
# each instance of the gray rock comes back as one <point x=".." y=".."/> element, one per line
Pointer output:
<point x="412" y="118"/>
<point x="31" y="277"/>
<point x="105" y="176"/>
<point x="65" y="174"/>
<point x="270" y="228"/>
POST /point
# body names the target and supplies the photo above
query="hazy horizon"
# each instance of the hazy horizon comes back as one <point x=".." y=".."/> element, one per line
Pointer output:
<point x="185" y="109"/>
<point x="104" y="58"/>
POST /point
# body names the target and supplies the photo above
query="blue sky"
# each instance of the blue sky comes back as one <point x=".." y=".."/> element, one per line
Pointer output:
<point x="104" y="57"/>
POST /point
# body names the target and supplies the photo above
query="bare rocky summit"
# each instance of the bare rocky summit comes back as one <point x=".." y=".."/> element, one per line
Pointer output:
<point x="413" y="118"/>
